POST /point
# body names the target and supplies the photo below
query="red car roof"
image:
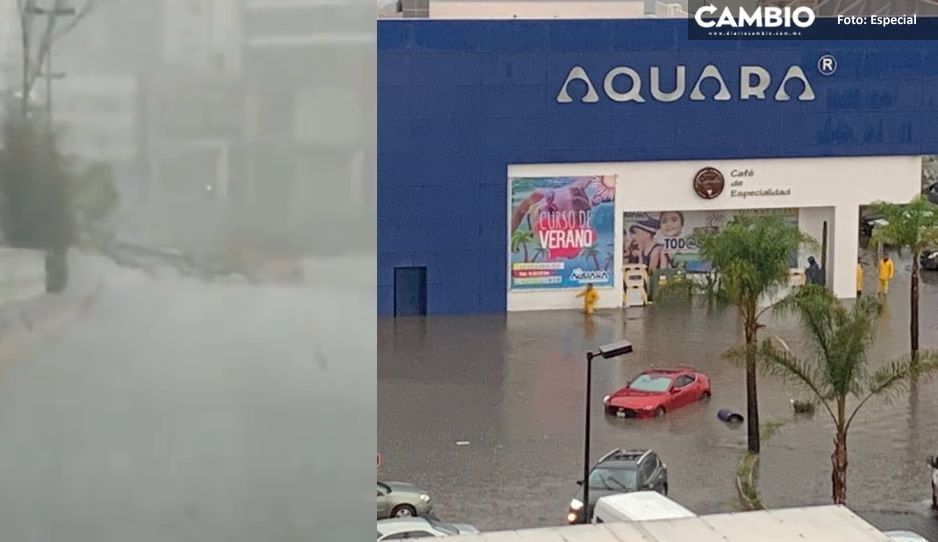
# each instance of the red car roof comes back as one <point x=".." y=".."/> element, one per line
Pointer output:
<point x="671" y="370"/>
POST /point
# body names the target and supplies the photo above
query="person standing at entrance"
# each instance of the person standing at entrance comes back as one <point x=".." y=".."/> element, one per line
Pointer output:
<point x="859" y="277"/>
<point x="886" y="272"/>
<point x="813" y="273"/>
<point x="590" y="296"/>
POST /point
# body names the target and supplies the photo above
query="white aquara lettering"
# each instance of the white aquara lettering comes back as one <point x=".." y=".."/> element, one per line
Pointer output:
<point x="754" y="81"/>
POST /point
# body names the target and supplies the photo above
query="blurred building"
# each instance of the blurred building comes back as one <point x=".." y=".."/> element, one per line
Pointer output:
<point x="202" y="35"/>
<point x="97" y="117"/>
<point x="302" y="66"/>
<point x="9" y="50"/>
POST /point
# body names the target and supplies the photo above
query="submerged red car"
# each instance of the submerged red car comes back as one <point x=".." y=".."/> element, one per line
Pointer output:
<point x="657" y="391"/>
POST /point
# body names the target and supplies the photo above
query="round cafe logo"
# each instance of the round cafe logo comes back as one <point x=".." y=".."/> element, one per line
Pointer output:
<point x="708" y="183"/>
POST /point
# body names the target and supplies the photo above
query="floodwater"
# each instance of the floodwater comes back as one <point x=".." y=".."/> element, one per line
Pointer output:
<point x="512" y="386"/>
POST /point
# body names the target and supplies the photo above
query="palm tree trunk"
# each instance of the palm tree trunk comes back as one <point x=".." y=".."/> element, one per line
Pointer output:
<point x="525" y="247"/>
<point x="839" y="467"/>
<point x="913" y="321"/>
<point x="752" y="396"/>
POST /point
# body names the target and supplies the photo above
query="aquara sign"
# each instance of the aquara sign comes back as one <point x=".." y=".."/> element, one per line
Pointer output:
<point x="627" y="84"/>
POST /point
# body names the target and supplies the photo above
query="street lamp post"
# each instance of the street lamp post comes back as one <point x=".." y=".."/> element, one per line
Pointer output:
<point x="607" y="351"/>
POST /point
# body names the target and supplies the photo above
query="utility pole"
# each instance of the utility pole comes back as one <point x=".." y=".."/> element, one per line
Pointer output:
<point x="56" y="11"/>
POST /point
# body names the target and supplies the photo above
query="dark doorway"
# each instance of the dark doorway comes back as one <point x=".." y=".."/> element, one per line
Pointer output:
<point x="410" y="291"/>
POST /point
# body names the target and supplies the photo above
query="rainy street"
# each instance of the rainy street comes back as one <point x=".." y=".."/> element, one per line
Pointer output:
<point x="174" y="409"/>
<point x="486" y="412"/>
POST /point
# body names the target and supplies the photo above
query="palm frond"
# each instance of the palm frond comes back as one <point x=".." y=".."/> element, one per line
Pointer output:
<point x="896" y="377"/>
<point x="913" y="225"/>
<point x="775" y="359"/>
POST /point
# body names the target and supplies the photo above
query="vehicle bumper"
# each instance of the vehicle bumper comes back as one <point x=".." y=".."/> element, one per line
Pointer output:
<point x="629" y="412"/>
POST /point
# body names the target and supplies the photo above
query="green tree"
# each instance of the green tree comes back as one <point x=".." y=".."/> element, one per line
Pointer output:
<point x="750" y="256"/>
<point x="913" y="226"/>
<point x="837" y="364"/>
<point x="35" y="186"/>
<point x="519" y="241"/>
<point x="95" y="198"/>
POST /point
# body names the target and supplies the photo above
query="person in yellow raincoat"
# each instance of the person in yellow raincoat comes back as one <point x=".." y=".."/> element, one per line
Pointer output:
<point x="859" y="278"/>
<point x="886" y="272"/>
<point x="590" y="296"/>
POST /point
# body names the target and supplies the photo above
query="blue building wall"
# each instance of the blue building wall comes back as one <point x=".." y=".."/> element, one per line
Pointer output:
<point x="460" y="100"/>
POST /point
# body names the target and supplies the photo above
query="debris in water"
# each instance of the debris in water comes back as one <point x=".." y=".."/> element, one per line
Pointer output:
<point x="802" y="407"/>
<point x="729" y="416"/>
<point x="462" y="443"/>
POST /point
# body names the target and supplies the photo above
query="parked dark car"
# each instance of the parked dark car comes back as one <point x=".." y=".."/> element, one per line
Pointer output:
<point x="929" y="260"/>
<point x="620" y="471"/>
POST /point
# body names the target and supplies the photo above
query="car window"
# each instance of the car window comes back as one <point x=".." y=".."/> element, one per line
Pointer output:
<point x="647" y="469"/>
<point x="447" y="529"/>
<point x="650" y="383"/>
<point x="614" y="479"/>
<point x="683" y="380"/>
<point x="383" y="489"/>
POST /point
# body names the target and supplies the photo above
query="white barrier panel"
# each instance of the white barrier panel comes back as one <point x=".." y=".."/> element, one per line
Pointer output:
<point x="22" y="275"/>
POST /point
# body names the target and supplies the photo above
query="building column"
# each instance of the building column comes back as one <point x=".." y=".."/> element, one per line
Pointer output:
<point x="844" y="248"/>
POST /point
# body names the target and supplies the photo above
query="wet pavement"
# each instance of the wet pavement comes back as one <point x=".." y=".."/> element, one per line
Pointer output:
<point x="512" y="385"/>
<point x="184" y="411"/>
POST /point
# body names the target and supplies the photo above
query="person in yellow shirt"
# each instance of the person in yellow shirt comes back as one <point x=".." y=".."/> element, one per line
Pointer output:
<point x="590" y="296"/>
<point x="859" y="277"/>
<point x="886" y="272"/>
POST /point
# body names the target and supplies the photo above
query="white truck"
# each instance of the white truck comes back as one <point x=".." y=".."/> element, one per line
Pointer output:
<point x="638" y="506"/>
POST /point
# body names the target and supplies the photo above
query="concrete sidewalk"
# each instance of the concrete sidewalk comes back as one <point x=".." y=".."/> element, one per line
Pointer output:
<point x="23" y="322"/>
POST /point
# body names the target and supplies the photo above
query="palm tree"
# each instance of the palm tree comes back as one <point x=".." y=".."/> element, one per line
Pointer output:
<point x="519" y="241"/>
<point x="591" y="252"/>
<point x="750" y="255"/>
<point x="611" y="257"/>
<point x="913" y="226"/>
<point x="837" y="366"/>
<point x="541" y="252"/>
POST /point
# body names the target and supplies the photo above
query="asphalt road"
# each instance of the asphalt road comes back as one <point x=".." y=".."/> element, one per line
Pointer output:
<point x="176" y="410"/>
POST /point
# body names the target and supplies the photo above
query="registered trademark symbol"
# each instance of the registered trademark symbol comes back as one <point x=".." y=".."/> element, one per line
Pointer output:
<point x="827" y="65"/>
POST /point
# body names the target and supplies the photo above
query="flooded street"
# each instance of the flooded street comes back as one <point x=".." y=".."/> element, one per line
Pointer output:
<point x="513" y="387"/>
